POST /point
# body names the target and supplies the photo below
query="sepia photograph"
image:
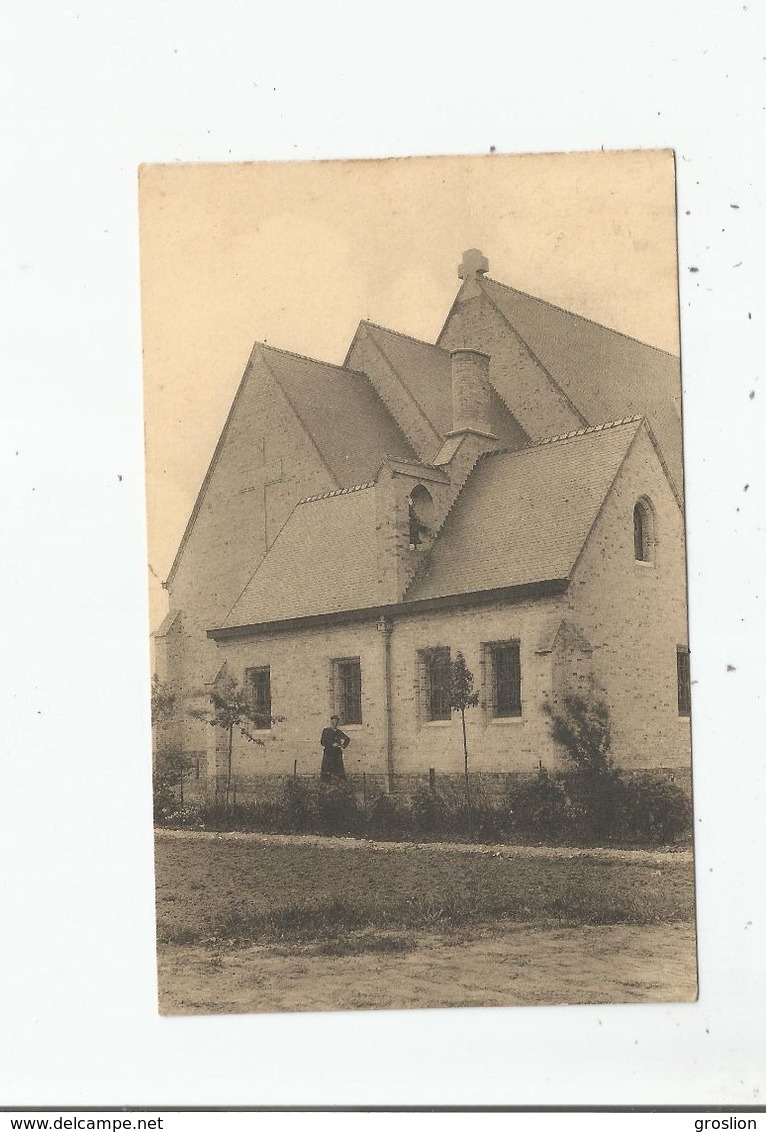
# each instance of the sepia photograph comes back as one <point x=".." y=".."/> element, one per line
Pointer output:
<point x="421" y="683"/>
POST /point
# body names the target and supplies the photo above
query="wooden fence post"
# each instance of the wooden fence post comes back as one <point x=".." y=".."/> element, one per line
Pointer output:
<point x="431" y="779"/>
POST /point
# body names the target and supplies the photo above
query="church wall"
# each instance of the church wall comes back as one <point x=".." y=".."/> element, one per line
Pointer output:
<point x="300" y="664"/>
<point x="494" y="744"/>
<point x="265" y="466"/>
<point x="634" y="615"/>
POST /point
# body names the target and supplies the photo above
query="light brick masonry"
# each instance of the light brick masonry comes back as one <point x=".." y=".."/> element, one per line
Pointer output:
<point x="604" y="616"/>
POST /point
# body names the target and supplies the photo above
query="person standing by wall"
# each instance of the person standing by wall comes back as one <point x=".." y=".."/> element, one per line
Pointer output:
<point x="334" y="742"/>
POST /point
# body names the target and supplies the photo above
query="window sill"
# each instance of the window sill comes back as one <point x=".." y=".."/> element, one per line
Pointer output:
<point x="505" y="719"/>
<point x="437" y="722"/>
<point x="644" y="565"/>
<point x="352" y="727"/>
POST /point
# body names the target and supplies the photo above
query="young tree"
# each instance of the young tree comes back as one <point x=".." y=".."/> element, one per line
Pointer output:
<point x="232" y="709"/>
<point x="461" y="697"/>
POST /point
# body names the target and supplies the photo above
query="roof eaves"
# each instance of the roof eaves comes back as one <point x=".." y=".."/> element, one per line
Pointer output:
<point x="518" y="592"/>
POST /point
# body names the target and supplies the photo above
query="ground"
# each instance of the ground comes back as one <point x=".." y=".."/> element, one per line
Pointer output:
<point x="250" y="923"/>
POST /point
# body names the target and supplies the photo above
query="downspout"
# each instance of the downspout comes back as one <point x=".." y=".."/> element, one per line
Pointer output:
<point x="386" y="626"/>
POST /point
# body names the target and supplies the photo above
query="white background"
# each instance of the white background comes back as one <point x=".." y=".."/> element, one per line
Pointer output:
<point x="89" y="91"/>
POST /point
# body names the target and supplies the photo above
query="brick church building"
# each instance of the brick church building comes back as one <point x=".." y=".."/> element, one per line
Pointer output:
<point x="512" y="491"/>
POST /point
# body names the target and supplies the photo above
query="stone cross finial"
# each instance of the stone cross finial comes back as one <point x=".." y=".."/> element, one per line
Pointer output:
<point x="473" y="265"/>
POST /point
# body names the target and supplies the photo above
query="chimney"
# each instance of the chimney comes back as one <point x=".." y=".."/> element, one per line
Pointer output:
<point x="470" y="392"/>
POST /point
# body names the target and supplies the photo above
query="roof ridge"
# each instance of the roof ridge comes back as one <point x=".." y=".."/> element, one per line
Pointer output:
<point x="574" y="314"/>
<point x="307" y="358"/>
<point x="401" y="334"/>
<point x="337" y="491"/>
<point x="563" y="436"/>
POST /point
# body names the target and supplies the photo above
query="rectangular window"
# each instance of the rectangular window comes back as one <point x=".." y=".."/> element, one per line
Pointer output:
<point x="435" y="671"/>
<point x="505" y="659"/>
<point x="684" y="681"/>
<point x="258" y="682"/>
<point x="347" y="689"/>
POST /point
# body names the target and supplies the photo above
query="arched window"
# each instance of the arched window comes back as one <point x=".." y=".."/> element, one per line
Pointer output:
<point x="643" y="531"/>
<point x="421" y="515"/>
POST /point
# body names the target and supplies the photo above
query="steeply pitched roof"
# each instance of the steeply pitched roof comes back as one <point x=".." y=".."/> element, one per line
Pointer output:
<point x="342" y="413"/>
<point x="426" y="373"/>
<point x="324" y="560"/>
<point x="604" y="373"/>
<point x="524" y="516"/>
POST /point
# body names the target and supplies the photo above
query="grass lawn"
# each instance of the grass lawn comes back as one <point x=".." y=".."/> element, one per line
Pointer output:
<point x="248" y="890"/>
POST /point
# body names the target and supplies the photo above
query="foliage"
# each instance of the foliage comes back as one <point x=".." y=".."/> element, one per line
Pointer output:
<point x="582" y="726"/>
<point x="461" y="694"/>
<point x="388" y="816"/>
<point x="171" y="765"/>
<point x="429" y="811"/>
<point x="163" y="702"/>
<point x="297" y="807"/>
<point x="652" y="811"/>
<point x="337" y="809"/>
<point x="538" y="809"/>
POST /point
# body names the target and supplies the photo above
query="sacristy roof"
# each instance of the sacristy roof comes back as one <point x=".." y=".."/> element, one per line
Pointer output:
<point x="524" y="516"/>
<point x="324" y="560"/>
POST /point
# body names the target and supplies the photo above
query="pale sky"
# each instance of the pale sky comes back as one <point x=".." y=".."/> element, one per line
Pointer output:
<point x="295" y="254"/>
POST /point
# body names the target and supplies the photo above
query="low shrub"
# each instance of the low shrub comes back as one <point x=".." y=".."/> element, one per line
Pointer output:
<point x="297" y="810"/>
<point x="337" y="809"/>
<point x="388" y="816"/>
<point x="429" y="812"/>
<point x="539" y="809"/>
<point x="652" y="811"/>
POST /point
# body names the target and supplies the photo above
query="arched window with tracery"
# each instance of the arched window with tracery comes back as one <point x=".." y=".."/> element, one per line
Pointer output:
<point x="643" y="531"/>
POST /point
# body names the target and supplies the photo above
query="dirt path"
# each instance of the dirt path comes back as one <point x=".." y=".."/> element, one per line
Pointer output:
<point x="506" y="964"/>
<point x="654" y="856"/>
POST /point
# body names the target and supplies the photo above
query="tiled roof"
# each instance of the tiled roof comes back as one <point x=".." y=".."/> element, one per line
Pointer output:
<point x="524" y="516"/>
<point x="324" y="560"/>
<point x="343" y="414"/>
<point x="604" y="373"/>
<point x="426" y="373"/>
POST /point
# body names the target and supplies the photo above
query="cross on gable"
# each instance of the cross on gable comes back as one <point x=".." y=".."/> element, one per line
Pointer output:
<point x="474" y="263"/>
